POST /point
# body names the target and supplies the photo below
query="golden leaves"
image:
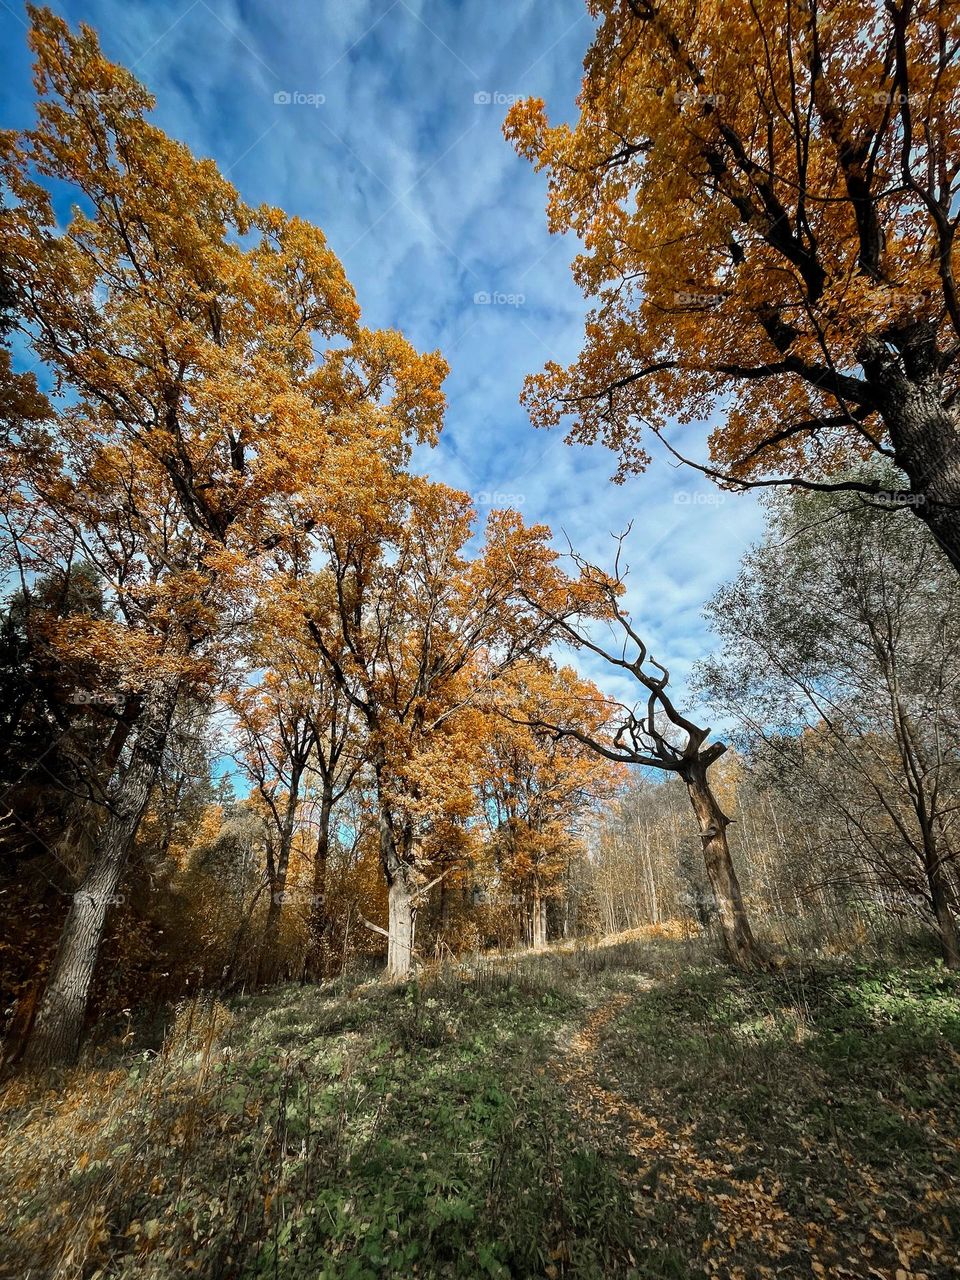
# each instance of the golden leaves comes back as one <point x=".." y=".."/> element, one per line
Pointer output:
<point x="225" y="401"/>
<point x="538" y="780"/>
<point x="743" y="184"/>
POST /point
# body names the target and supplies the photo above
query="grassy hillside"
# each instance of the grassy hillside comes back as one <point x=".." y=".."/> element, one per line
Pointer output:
<point x="614" y="1111"/>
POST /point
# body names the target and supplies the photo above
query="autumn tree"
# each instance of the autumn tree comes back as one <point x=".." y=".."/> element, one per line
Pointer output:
<point x="21" y="401"/>
<point x="204" y="351"/>
<point x="339" y="756"/>
<point x="406" y="619"/>
<point x="298" y="745"/>
<point x="767" y="194"/>
<point x="537" y="784"/>
<point x="274" y="727"/>
<point x="453" y="860"/>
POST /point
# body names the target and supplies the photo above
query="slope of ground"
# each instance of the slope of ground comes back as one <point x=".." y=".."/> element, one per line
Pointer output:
<point x="615" y="1111"/>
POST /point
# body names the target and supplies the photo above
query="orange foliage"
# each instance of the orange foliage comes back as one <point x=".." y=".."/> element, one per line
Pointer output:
<point x="222" y="391"/>
<point x="537" y="785"/>
<point x="764" y="193"/>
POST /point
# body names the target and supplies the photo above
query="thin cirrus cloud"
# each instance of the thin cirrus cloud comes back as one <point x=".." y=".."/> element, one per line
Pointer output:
<point x="380" y="120"/>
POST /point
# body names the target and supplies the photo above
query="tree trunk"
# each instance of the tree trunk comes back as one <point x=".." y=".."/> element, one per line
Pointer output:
<point x="315" y="965"/>
<point x="77" y="841"/>
<point x="933" y="465"/>
<point x="942" y="909"/>
<point x="923" y="429"/>
<point x="267" y="960"/>
<point x="652" y="888"/>
<point x="399" y="873"/>
<point x="947" y="925"/>
<point x="268" y="967"/>
<point x="55" y="1037"/>
<point x="401" y="925"/>
<point x="442" y="912"/>
<point x="538" y="919"/>
<point x="738" y="938"/>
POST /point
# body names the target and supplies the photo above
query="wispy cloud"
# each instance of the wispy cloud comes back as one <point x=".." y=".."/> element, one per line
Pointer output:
<point x="380" y="120"/>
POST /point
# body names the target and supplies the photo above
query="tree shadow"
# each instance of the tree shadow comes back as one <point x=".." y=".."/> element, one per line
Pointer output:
<point x="829" y="1092"/>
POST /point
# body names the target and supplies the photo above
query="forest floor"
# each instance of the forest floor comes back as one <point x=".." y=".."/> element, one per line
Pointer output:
<point x="626" y="1110"/>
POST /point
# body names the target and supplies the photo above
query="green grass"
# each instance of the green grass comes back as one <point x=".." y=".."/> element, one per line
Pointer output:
<point x="452" y="1128"/>
<point x="839" y="1085"/>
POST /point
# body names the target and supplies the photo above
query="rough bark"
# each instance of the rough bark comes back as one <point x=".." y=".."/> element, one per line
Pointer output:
<point x="315" y="965"/>
<point x="398" y="870"/>
<point x="401" y="925"/>
<point x="55" y="1037"/>
<point x="924" y="429"/>
<point x="935" y="481"/>
<point x="942" y="908"/>
<point x="739" y="944"/>
<point x="538" y="919"/>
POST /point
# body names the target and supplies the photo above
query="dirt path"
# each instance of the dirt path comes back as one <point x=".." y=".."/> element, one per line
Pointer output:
<point x="673" y="1174"/>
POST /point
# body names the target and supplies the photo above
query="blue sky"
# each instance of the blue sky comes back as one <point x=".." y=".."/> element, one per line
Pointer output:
<point x="391" y="143"/>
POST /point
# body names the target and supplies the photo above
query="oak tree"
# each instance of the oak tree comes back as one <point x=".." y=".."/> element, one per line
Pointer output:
<point x="538" y="785"/>
<point x="408" y="616"/>
<point x="767" y="196"/>
<point x="206" y="354"/>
